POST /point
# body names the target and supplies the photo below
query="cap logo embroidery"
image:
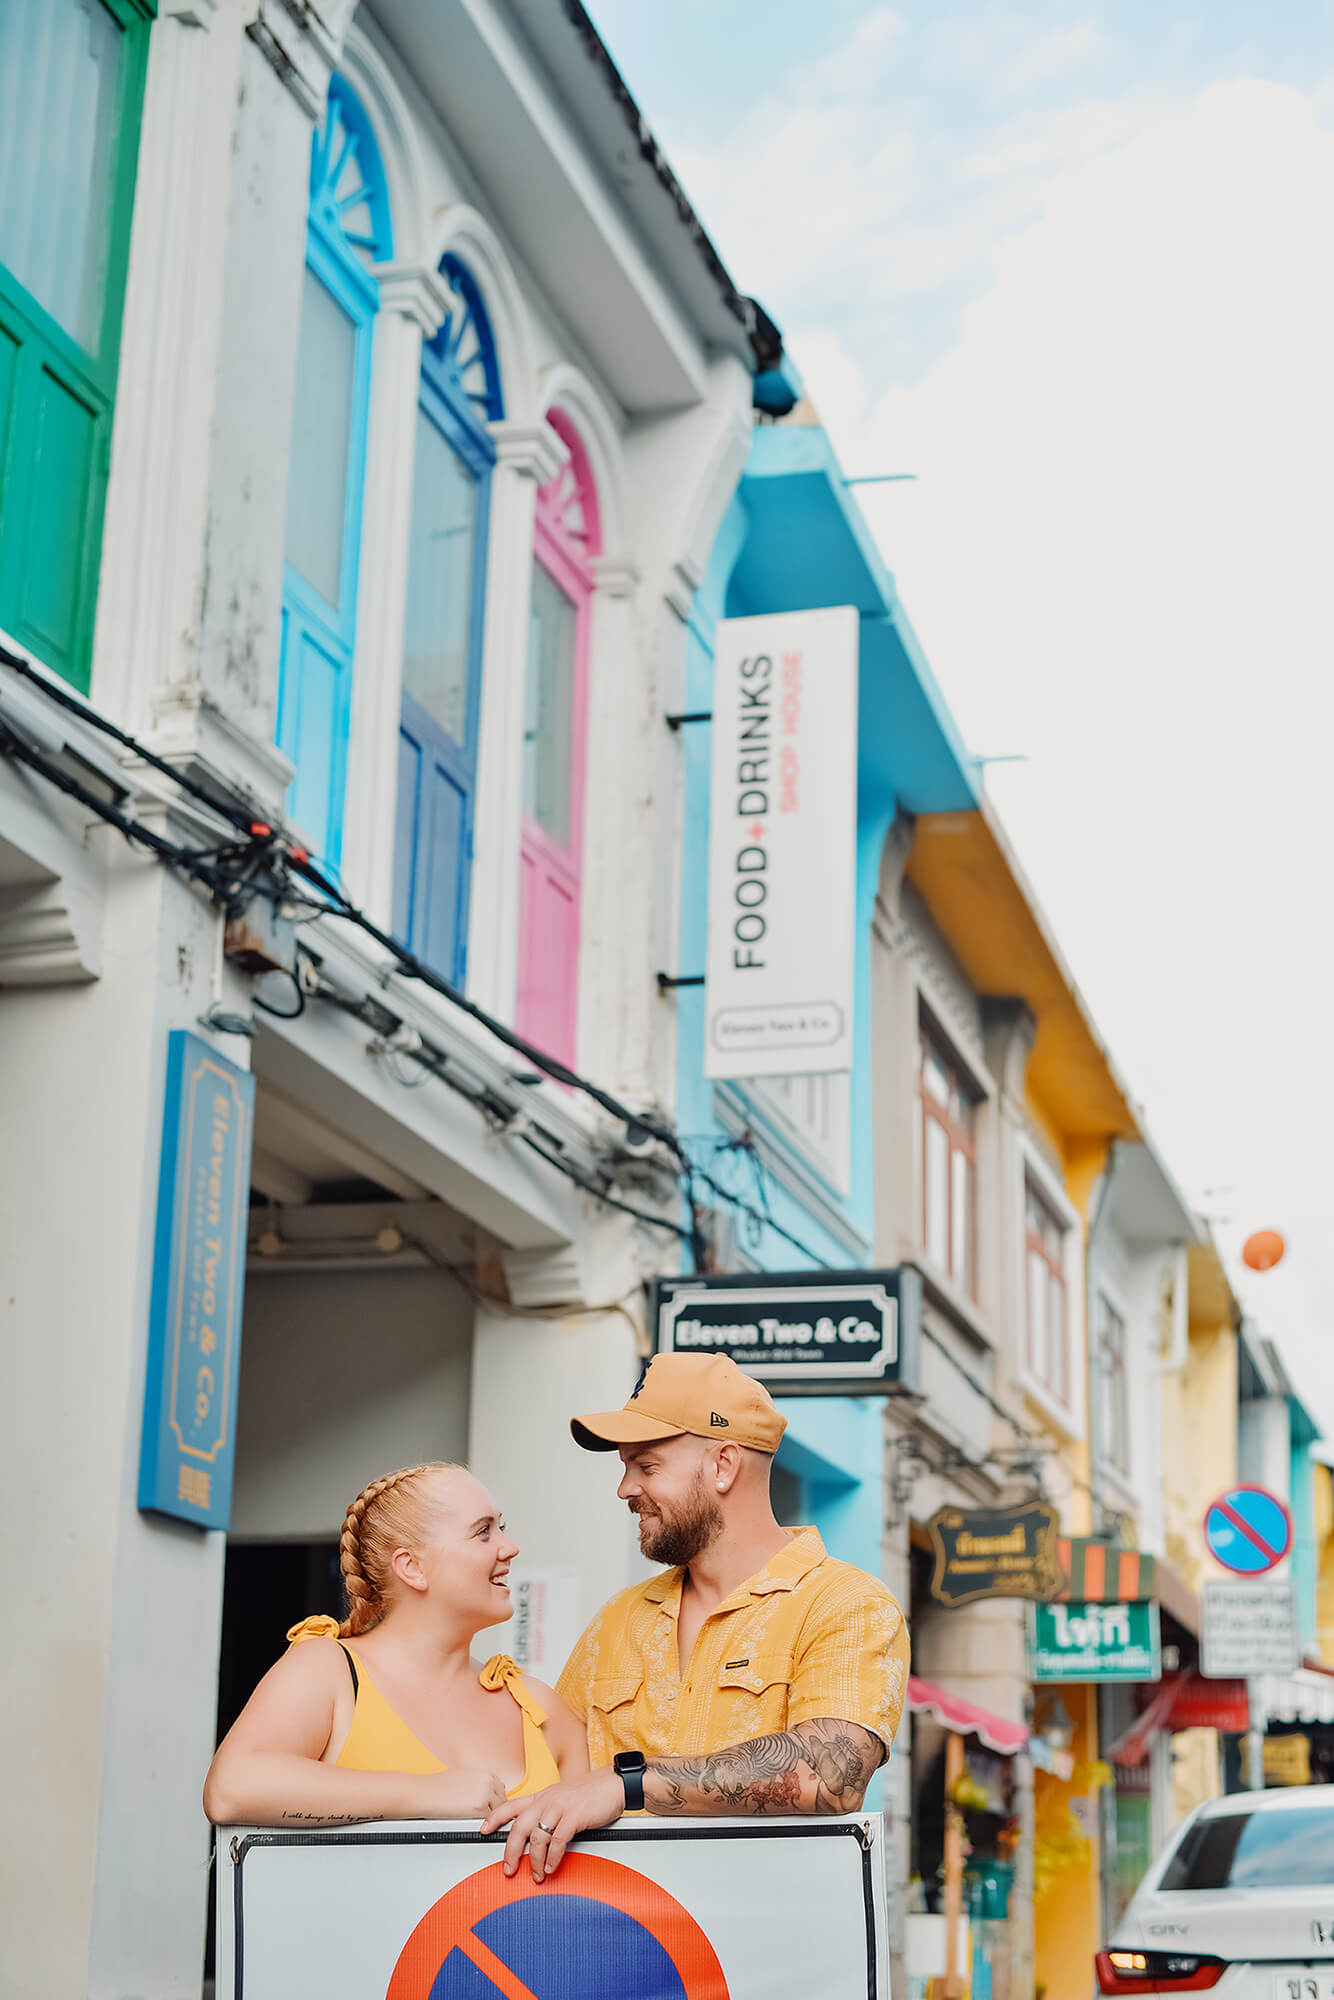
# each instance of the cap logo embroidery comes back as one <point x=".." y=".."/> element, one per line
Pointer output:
<point x="718" y="1423"/>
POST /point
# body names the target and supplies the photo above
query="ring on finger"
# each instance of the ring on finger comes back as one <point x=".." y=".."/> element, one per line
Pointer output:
<point x="544" y="1827"/>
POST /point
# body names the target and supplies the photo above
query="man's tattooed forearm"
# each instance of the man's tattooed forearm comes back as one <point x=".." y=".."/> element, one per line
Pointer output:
<point x="817" y="1767"/>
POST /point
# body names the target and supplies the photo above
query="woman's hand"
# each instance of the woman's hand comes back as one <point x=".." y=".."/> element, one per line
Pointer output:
<point x="454" y="1794"/>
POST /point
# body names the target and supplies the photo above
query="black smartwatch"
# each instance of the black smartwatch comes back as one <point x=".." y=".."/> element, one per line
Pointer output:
<point x="630" y="1766"/>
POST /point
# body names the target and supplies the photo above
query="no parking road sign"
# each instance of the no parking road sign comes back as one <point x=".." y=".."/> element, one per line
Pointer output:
<point x="599" y="1926"/>
<point x="780" y="1909"/>
<point x="1248" y="1530"/>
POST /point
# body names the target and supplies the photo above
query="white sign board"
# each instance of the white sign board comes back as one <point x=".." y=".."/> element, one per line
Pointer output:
<point x="1250" y="1628"/>
<point x="783" y="845"/>
<point x="540" y="1633"/>
<point x="777" y="1909"/>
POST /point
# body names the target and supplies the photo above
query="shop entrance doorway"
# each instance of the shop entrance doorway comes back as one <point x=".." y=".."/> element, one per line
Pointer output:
<point x="268" y="1586"/>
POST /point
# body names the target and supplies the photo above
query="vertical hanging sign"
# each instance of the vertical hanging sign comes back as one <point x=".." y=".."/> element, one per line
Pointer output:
<point x="194" y="1334"/>
<point x="783" y="845"/>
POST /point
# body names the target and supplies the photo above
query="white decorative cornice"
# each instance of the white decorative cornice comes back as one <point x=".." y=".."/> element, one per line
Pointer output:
<point x="298" y="47"/>
<point x="190" y="13"/>
<point x="528" y="447"/>
<point x="683" y="581"/>
<point x="615" y="576"/>
<point x="190" y="727"/>
<point x="44" y="937"/>
<point x="417" y="292"/>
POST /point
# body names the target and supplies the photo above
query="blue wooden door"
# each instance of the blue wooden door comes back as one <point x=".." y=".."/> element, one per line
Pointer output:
<point x="442" y="645"/>
<point x="348" y="225"/>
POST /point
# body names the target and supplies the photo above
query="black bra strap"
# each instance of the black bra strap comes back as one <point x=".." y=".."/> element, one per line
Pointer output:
<point x="352" y="1669"/>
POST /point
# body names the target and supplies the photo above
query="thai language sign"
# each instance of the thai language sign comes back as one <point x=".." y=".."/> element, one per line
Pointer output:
<point x="194" y="1333"/>
<point x="1250" y="1628"/>
<point x="639" y="1911"/>
<point x="995" y="1552"/>
<point x="782" y="845"/>
<point x="833" y="1333"/>
<point x="1096" y="1642"/>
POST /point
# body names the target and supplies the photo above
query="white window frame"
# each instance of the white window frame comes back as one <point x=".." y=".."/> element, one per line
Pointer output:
<point x="929" y="1026"/>
<point x="829" y="1154"/>
<point x="1073" y="1420"/>
<point x="1101" y="1289"/>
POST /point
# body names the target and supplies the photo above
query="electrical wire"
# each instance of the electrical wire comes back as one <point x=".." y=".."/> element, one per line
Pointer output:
<point x="233" y="871"/>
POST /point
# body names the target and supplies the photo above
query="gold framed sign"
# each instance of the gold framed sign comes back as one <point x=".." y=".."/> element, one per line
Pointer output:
<point x="995" y="1552"/>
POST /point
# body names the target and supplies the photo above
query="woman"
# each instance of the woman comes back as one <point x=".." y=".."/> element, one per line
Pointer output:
<point x="401" y="1724"/>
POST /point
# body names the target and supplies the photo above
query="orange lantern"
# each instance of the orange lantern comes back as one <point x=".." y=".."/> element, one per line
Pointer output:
<point x="1263" y="1250"/>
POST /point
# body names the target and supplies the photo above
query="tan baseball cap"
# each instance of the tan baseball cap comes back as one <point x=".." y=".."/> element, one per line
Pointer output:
<point x="704" y="1394"/>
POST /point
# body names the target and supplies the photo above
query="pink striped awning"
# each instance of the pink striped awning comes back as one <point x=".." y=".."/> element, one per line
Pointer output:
<point x="965" y="1718"/>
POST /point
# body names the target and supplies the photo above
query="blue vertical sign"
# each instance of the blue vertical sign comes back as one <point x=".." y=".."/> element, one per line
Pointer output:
<point x="194" y="1334"/>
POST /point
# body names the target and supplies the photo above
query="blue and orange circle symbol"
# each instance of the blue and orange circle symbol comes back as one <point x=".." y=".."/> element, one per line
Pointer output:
<point x="1248" y="1530"/>
<point x="595" y="1927"/>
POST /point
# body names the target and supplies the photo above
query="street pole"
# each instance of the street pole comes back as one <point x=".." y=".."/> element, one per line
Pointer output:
<point x="1255" y="1738"/>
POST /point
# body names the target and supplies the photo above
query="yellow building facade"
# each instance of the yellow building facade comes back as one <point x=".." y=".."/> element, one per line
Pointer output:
<point x="1134" y="1258"/>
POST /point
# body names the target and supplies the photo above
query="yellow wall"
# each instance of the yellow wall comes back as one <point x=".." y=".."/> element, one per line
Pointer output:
<point x="1066" y="1915"/>
<point x="1197" y="1772"/>
<point x="1324" y="1545"/>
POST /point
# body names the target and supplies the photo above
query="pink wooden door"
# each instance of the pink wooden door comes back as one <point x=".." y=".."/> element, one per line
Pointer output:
<point x="554" y="743"/>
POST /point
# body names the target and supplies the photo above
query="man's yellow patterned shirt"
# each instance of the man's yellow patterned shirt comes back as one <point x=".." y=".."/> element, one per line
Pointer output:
<point x="807" y="1637"/>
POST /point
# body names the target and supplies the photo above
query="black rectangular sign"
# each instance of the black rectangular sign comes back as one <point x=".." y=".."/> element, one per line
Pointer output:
<point x="818" y="1333"/>
<point x="995" y="1552"/>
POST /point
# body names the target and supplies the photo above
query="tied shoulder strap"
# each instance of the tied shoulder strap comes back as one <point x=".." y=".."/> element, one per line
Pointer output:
<point x="501" y="1672"/>
<point x="321" y="1626"/>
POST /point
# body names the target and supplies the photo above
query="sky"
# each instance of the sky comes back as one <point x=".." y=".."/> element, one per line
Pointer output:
<point x="1073" y="268"/>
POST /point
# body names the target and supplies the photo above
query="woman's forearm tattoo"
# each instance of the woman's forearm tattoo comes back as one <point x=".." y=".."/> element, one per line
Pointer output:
<point x="816" y="1767"/>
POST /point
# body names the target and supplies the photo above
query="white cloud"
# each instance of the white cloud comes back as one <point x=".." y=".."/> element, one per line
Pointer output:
<point x="1116" y="558"/>
<point x="1055" y="55"/>
<point x="848" y="198"/>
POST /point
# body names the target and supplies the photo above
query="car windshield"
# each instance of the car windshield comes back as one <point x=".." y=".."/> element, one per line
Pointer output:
<point x="1256" y="1850"/>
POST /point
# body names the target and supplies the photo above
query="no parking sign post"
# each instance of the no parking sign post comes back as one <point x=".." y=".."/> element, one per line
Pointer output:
<point x="1250" y="1626"/>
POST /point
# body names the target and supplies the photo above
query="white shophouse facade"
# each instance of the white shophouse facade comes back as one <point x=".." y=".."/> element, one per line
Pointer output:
<point x="449" y="302"/>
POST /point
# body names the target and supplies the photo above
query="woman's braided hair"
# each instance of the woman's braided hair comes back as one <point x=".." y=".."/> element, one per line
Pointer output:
<point x="390" y="1513"/>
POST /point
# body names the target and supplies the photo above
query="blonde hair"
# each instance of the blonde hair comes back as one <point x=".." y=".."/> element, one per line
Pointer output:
<point x="391" y="1513"/>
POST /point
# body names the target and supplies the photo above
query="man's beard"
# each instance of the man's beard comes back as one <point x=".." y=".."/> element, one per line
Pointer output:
<point x="696" y="1523"/>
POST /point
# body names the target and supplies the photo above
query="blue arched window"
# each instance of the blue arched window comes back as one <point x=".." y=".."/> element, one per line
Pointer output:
<point x="348" y="231"/>
<point x="442" y="645"/>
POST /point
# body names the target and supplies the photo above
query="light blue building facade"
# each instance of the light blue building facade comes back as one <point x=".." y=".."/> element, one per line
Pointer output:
<point x="801" y="1151"/>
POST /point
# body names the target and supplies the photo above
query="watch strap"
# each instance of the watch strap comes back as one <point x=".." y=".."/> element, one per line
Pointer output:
<point x="630" y="1766"/>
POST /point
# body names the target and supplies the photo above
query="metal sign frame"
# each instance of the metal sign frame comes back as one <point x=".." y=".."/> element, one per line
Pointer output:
<point x="848" y="1333"/>
<point x="1038" y="1525"/>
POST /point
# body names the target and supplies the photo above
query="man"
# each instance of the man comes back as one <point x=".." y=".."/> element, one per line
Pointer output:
<point x="757" y="1675"/>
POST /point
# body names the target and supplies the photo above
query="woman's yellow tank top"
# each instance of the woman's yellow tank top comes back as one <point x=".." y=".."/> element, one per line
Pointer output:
<point x="380" y="1740"/>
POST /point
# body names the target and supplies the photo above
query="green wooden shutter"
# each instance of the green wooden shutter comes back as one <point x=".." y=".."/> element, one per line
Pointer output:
<point x="57" y="396"/>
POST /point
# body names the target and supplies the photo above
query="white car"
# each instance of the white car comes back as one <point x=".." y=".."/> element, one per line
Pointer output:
<point x="1241" y="1899"/>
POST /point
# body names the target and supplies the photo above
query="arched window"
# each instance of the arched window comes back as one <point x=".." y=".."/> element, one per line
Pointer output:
<point x="348" y="230"/>
<point x="442" y="639"/>
<point x="567" y="537"/>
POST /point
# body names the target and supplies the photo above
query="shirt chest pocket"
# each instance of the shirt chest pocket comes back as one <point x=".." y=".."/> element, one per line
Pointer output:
<point x="612" y="1695"/>
<point x="753" y="1688"/>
